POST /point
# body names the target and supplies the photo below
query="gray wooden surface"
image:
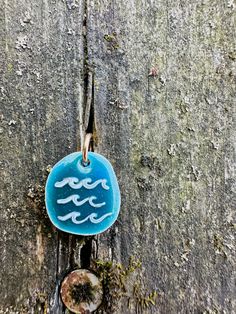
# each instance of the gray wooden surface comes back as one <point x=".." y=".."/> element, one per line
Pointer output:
<point x="169" y="135"/>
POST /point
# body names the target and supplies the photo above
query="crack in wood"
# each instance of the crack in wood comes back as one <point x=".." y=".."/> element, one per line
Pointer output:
<point x="86" y="254"/>
<point x="88" y="81"/>
<point x="86" y="250"/>
<point x="69" y="258"/>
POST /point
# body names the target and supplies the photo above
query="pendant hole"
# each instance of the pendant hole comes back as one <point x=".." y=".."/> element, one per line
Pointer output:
<point x="85" y="163"/>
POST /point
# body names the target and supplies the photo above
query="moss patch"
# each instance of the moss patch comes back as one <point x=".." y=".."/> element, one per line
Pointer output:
<point x="124" y="284"/>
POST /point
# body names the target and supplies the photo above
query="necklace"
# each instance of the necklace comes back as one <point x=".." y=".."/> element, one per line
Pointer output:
<point x="82" y="193"/>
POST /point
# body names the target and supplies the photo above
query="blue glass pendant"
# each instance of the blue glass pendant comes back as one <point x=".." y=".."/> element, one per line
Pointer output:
<point x="82" y="199"/>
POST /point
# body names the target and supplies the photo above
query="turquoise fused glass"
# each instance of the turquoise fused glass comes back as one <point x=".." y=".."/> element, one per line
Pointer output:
<point x="82" y="199"/>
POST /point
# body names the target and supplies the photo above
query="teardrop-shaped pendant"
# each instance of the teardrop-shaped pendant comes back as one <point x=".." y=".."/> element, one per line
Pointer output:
<point x="82" y="198"/>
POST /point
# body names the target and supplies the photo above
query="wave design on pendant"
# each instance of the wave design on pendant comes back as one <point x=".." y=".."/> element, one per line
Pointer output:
<point x="75" y="183"/>
<point x="75" y="199"/>
<point x="92" y="217"/>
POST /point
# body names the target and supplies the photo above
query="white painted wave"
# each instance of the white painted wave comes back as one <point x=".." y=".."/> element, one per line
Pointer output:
<point x="75" y="199"/>
<point x="92" y="217"/>
<point x="74" y="183"/>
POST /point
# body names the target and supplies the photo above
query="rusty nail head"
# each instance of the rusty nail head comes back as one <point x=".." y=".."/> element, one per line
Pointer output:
<point x="81" y="291"/>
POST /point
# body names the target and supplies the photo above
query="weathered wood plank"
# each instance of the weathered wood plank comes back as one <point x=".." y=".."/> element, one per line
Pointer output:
<point x="171" y="140"/>
<point x="42" y="90"/>
<point x="169" y="136"/>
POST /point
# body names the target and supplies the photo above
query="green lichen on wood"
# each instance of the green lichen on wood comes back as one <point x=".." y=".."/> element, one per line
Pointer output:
<point x="123" y="283"/>
<point x="112" y="40"/>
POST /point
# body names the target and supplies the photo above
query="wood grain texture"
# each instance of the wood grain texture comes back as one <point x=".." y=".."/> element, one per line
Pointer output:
<point x="41" y="97"/>
<point x="170" y="137"/>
